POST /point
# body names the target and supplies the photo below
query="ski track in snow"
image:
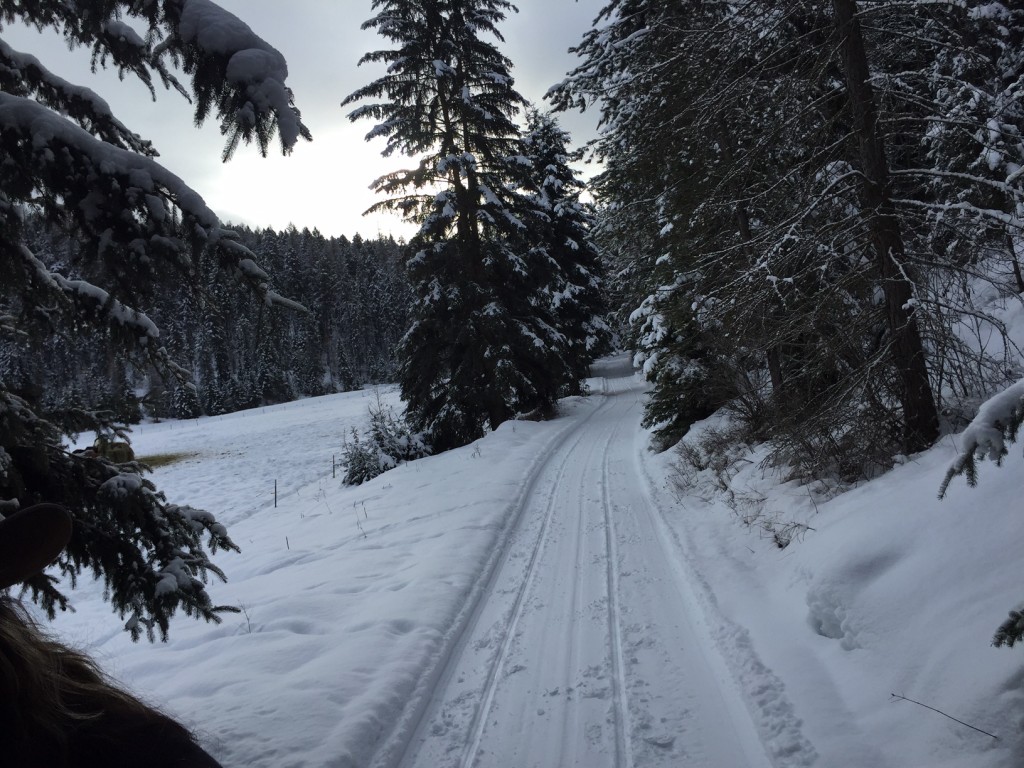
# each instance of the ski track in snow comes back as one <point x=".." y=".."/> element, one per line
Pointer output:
<point x="523" y="602"/>
<point x="581" y="651"/>
<point x="728" y="647"/>
<point x="548" y="596"/>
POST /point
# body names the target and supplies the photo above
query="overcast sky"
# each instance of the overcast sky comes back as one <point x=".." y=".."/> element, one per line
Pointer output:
<point x="323" y="184"/>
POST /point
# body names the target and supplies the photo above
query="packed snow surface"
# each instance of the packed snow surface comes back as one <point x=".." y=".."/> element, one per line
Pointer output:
<point x="552" y="595"/>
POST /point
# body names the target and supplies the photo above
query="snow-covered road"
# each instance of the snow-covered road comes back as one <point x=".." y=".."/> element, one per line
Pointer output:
<point x="586" y="647"/>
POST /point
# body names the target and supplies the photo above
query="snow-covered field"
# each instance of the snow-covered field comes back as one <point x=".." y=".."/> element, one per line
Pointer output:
<point x="366" y="609"/>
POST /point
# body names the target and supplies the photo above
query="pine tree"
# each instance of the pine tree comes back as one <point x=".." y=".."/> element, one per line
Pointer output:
<point x="67" y="157"/>
<point x="644" y="70"/>
<point x="920" y="416"/>
<point x="563" y="238"/>
<point x="484" y="343"/>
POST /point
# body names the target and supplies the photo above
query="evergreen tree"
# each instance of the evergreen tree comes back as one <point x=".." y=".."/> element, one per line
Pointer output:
<point x="645" y="64"/>
<point x="484" y="343"/>
<point x="563" y="239"/>
<point x="67" y="157"/>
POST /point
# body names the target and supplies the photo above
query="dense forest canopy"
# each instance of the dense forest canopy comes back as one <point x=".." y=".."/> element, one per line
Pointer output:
<point x="815" y="209"/>
<point x="240" y="353"/>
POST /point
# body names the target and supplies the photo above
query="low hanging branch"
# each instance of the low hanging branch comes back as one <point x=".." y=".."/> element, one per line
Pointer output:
<point x="933" y="709"/>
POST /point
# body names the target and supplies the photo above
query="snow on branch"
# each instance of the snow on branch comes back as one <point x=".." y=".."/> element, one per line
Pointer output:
<point x="232" y="68"/>
<point x="115" y="195"/>
<point x="39" y="130"/>
<point x="1007" y="219"/>
<point x="997" y="423"/>
<point x="999" y="186"/>
<point x="102" y="31"/>
<point x="91" y="298"/>
<point x="24" y="75"/>
<point x="218" y="48"/>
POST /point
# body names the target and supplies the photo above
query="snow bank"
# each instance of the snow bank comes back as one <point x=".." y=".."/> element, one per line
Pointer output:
<point x="893" y="591"/>
<point x="350" y="594"/>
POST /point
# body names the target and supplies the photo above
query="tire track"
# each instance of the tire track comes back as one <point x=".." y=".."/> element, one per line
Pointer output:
<point x="397" y="750"/>
<point x="490" y="687"/>
<point x="623" y="753"/>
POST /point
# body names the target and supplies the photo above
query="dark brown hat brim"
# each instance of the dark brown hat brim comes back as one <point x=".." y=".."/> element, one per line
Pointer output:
<point x="30" y="540"/>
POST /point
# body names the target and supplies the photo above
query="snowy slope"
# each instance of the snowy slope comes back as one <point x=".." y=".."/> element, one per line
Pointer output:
<point x="349" y="593"/>
<point x="892" y="592"/>
<point x="355" y="597"/>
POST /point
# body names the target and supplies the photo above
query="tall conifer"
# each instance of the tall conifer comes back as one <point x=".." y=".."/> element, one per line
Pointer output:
<point x="68" y="159"/>
<point x="484" y="343"/>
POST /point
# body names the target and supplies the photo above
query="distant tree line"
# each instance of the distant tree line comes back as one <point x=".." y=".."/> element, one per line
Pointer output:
<point x="241" y="353"/>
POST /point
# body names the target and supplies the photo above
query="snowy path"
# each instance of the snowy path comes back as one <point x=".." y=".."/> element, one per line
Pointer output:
<point x="587" y="647"/>
<point x="548" y="596"/>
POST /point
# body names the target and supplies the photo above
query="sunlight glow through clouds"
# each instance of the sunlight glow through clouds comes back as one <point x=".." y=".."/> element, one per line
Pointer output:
<point x="324" y="184"/>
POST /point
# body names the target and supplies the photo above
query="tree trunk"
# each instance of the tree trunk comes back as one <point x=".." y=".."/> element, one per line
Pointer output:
<point x="921" y="420"/>
<point x="1017" y="276"/>
<point x="773" y="354"/>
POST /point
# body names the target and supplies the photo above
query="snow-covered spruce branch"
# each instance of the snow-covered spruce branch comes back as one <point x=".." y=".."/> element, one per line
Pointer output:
<point x="41" y="137"/>
<point x="24" y="75"/>
<point x="95" y="181"/>
<point x="232" y="68"/>
<point x="218" y="49"/>
<point x="85" y="292"/>
<point x="104" y="33"/>
<point x="93" y="300"/>
<point x="69" y="164"/>
<point x="998" y="421"/>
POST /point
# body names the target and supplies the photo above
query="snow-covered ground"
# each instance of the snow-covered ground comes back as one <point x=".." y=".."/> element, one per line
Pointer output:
<point x="548" y="596"/>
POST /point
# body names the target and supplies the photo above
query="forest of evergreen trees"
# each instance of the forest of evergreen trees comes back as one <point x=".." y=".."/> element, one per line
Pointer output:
<point x="807" y="212"/>
<point x="241" y="353"/>
<point x="814" y="210"/>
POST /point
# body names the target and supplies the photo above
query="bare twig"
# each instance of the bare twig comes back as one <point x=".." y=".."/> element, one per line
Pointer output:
<point x="248" y="620"/>
<point x="933" y="709"/>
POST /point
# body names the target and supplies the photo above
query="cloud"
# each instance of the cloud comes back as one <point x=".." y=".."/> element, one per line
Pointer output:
<point x="324" y="184"/>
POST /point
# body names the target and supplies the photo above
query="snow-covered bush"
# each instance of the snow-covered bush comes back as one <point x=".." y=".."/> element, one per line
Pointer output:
<point x="388" y="443"/>
<point x="997" y="423"/>
<point x="360" y="459"/>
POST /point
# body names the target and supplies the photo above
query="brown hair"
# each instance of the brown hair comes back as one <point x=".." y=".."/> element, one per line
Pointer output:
<point x="53" y="698"/>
